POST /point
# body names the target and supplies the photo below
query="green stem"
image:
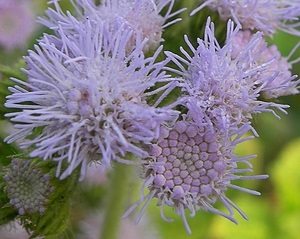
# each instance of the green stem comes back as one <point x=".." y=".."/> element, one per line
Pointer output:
<point x="116" y="198"/>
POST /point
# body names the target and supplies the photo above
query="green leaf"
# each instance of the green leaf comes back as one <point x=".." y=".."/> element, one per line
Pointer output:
<point x="286" y="177"/>
<point x="54" y="221"/>
<point x="7" y="214"/>
<point x="13" y="71"/>
<point x="286" y="181"/>
<point x="257" y="226"/>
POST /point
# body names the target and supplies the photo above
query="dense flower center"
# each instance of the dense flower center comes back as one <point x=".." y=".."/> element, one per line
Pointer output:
<point x="96" y="95"/>
<point x="78" y="102"/>
<point x="188" y="161"/>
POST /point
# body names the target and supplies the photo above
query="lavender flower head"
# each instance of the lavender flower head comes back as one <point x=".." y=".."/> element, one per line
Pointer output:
<point x="267" y="16"/>
<point x="89" y="100"/>
<point x="283" y="83"/>
<point x="140" y="16"/>
<point x="193" y="163"/>
<point x="191" y="167"/>
<point x="16" y="23"/>
<point x="226" y="89"/>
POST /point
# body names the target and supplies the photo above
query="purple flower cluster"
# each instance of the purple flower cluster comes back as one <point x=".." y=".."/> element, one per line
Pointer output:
<point x="90" y="95"/>
<point x="16" y="23"/>
<point x="283" y="83"/>
<point x="267" y="16"/>
<point x="193" y="162"/>
<point x="142" y="17"/>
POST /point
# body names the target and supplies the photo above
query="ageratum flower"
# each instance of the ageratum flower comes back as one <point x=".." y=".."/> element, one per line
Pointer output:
<point x="191" y="167"/>
<point x="88" y="100"/>
<point x="263" y="15"/>
<point x="226" y="89"/>
<point x="16" y="23"/>
<point x="283" y="83"/>
<point x="27" y="186"/>
<point x="143" y="17"/>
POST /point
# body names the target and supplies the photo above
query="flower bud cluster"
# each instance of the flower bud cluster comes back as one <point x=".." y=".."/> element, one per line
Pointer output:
<point x="27" y="187"/>
<point x="189" y="161"/>
<point x="191" y="167"/>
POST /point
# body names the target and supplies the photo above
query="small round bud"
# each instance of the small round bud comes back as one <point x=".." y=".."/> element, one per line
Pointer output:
<point x="27" y="186"/>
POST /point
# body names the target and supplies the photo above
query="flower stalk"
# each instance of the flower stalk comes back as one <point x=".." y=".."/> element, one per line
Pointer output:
<point x="116" y="199"/>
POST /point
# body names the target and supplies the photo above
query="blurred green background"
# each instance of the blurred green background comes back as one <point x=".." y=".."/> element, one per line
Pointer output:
<point x="276" y="213"/>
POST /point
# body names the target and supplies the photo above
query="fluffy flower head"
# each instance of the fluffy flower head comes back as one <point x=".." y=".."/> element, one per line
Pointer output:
<point x="267" y="16"/>
<point x="89" y="99"/>
<point x="227" y="90"/>
<point x="283" y="83"/>
<point x="16" y="23"/>
<point x="191" y="168"/>
<point x="142" y="17"/>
